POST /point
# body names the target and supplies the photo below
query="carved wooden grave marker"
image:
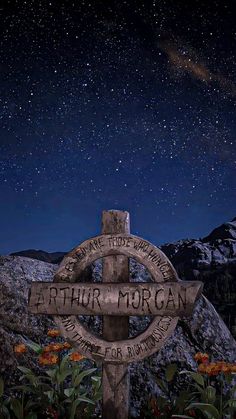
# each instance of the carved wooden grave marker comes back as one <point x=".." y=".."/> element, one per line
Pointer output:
<point x="165" y="299"/>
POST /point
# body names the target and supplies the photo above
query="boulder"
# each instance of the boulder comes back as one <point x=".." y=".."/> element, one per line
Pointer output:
<point x="16" y="323"/>
<point x="204" y="331"/>
<point x="211" y="260"/>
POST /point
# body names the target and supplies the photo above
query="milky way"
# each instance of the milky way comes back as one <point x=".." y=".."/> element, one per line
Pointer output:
<point x="127" y="105"/>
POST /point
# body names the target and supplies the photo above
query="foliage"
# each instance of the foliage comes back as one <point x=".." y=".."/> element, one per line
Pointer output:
<point x="66" y="388"/>
<point x="209" y="394"/>
<point x="4" y="411"/>
<point x="69" y="388"/>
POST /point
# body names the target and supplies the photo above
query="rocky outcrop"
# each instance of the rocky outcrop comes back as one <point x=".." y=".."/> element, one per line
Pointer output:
<point x="204" y="331"/>
<point x="223" y="232"/>
<point x="213" y="261"/>
<point x="16" y="323"/>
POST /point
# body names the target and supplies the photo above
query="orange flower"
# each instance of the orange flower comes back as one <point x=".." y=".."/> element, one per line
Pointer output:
<point x="201" y="368"/>
<point x="220" y="363"/>
<point x="56" y="347"/>
<point x="212" y="369"/>
<point x="53" y="347"/>
<point x="201" y="357"/>
<point x="215" y="368"/>
<point x="76" y="356"/>
<point x="233" y="368"/>
<point x="66" y="345"/>
<point x="226" y="369"/>
<point x="197" y="356"/>
<point x="47" y="348"/>
<point x="53" y="333"/>
<point x="205" y="358"/>
<point x="20" y="348"/>
<point x="48" y="359"/>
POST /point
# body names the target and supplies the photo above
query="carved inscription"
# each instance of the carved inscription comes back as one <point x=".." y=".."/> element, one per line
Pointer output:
<point x="93" y="245"/>
<point x="173" y="298"/>
<point x="166" y="298"/>
<point x="128" y="245"/>
<point x="123" y="351"/>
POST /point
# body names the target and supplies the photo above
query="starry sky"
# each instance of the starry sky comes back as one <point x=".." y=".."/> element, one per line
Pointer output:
<point x="115" y="105"/>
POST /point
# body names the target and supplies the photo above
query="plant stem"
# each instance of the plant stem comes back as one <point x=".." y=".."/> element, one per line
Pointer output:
<point x="22" y="406"/>
<point x="221" y="397"/>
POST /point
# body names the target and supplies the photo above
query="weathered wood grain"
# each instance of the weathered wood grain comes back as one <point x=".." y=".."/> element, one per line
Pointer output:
<point x="119" y="351"/>
<point x="115" y="378"/>
<point x="116" y="247"/>
<point x="115" y="244"/>
<point x="114" y="299"/>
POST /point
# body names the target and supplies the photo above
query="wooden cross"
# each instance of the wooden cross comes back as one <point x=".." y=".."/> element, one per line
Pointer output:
<point x="115" y="299"/>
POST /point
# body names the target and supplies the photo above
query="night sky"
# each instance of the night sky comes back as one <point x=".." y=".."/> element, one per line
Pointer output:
<point x="115" y="105"/>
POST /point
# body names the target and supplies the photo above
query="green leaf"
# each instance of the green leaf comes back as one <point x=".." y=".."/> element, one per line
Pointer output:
<point x="32" y="379"/>
<point x="1" y="387"/>
<point x="199" y="388"/>
<point x="69" y="391"/>
<point x="96" y="378"/>
<point x="77" y="380"/>
<point x="207" y="409"/>
<point x="96" y="384"/>
<point x="75" y="372"/>
<point x="49" y="394"/>
<point x="182" y="416"/>
<point x="51" y="373"/>
<point x="85" y="399"/>
<point x="74" y="406"/>
<point x="162" y="385"/>
<point x="30" y="404"/>
<point x="62" y="376"/>
<point x="34" y="346"/>
<point x="5" y="411"/>
<point x="170" y="372"/>
<point x="198" y="378"/>
<point x="232" y="403"/>
<point x="182" y="399"/>
<point x="210" y="393"/>
<point x="25" y="370"/>
<point x="17" y="408"/>
<point x="64" y="363"/>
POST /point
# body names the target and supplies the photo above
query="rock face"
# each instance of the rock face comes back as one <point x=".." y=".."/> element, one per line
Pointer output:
<point x="16" y="324"/>
<point x="213" y="261"/>
<point x="204" y="331"/>
<point x="225" y="231"/>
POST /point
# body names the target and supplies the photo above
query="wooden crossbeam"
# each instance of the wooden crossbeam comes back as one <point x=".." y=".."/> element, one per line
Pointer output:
<point x="114" y="299"/>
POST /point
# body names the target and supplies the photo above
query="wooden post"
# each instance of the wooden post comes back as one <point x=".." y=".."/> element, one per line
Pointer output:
<point x="115" y="377"/>
<point x="115" y="246"/>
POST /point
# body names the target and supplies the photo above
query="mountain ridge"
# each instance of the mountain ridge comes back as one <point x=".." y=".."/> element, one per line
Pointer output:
<point x="225" y="231"/>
